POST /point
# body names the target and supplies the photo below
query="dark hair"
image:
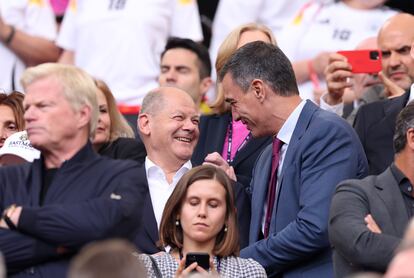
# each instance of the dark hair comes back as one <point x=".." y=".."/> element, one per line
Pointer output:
<point x="105" y="259"/>
<point x="14" y="100"/>
<point x="405" y="121"/>
<point x="227" y="243"/>
<point x="262" y="61"/>
<point x="197" y="48"/>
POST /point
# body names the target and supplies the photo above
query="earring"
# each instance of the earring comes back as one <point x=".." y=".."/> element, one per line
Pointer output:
<point x="225" y="229"/>
<point x="177" y="222"/>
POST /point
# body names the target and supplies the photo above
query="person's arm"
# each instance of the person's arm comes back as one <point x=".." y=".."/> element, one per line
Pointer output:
<point x="321" y="169"/>
<point x="310" y="69"/>
<point x="114" y="213"/>
<point x="67" y="57"/>
<point x="22" y="251"/>
<point x="337" y="75"/>
<point x="31" y="49"/>
<point x="350" y="234"/>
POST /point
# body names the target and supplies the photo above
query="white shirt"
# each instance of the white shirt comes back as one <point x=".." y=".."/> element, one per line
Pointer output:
<point x="121" y="43"/>
<point x="328" y="27"/>
<point x="159" y="188"/>
<point x="411" y="96"/>
<point x="285" y="135"/>
<point x="35" y="18"/>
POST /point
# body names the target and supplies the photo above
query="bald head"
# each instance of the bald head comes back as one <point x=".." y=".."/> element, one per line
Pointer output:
<point x="155" y="100"/>
<point x="394" y="40"/>
<point x="401" y="23"/>
<point x="168" y="126"/>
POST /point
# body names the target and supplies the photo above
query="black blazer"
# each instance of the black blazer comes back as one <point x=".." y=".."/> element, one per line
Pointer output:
<point x="125" y="148"/>
<point x="375" y="125"/>
<point x="213" y="130"/>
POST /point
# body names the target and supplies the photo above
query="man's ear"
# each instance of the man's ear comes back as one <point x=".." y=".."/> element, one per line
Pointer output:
<point x="84" y="116"/>
<point x="258" y="88"/>
<point x="205" y="85"/>
<point x="144" y="124"/>
<point x="410" y="138"/>
<point x="412" y="50"/>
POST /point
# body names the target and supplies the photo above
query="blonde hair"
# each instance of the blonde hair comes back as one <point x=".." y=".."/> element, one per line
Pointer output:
<point x="78" y="87"/>
<point x="227" y="48"/>
<point x="119" y="126"/>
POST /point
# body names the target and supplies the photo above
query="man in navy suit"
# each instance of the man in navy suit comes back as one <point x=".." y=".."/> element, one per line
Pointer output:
<point x="289" y="238"/>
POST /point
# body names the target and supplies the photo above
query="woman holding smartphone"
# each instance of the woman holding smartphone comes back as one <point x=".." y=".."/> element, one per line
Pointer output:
<point x="200" y="217"/>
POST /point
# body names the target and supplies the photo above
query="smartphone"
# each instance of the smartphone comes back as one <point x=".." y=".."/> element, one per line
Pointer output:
<point x="202" y="259"/>
<point x="364" y="61"/>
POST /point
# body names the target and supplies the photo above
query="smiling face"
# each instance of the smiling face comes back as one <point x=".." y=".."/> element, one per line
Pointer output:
<point x="171" y="133"/>
<point x="244" y="106"/>
<point x="8" y="124"/>
<point x="203" y="212"/>
<point x="103" y="130"/>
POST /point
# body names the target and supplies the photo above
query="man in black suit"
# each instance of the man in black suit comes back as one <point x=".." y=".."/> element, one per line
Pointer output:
<point x="368" y="217"/>
<point x="168" y="125"/>
<point x="375" y="122"/>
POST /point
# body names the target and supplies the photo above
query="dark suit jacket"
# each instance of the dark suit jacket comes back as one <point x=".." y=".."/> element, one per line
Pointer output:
<point x="323" y="151"/>
<point x="147" y="236"/>
<point x="90" y="198"/>
<point x="375" y="125"/>
<point x="125" y="148"/>
<point x="355" y="247"/>
<point x="213" y="130"/>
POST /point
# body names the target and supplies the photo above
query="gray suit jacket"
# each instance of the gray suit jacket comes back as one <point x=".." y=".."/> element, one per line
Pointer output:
<point x="355" y="247"/>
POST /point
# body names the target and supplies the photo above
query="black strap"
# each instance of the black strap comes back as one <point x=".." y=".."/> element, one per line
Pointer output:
<point x="13" y="85"/>
<point x="155" y="267"/>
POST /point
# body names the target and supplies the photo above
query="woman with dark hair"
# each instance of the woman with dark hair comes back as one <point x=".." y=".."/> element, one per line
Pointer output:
<point x="114" y="137"/>
<point x="11" y="114"/>
<point x="200" y="216"/>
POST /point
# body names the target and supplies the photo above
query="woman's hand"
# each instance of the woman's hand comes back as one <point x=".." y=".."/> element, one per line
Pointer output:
<point x="183" y="272"/>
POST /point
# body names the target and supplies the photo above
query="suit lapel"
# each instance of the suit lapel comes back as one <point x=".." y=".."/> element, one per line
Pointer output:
<point x="392" y="108"/>
<point x="148" y="219"/>
<point x="259" y="185"/>
<point x="389" y="192"/>
<point x="300" y="129"/>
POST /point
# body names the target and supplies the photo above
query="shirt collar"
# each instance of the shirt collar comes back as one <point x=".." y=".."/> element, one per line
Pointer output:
<point x="151" y="166"/>
<point x="411" y="96"/>
<point x="286" y="132"/>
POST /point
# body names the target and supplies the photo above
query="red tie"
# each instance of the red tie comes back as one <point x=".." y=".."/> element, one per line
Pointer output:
<point x="271" y="193"/>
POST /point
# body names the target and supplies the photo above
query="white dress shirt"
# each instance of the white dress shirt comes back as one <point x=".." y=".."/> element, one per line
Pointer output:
<point x="159" y="188"/>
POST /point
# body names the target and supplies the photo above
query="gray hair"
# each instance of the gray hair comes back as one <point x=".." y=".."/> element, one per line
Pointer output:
<point x="405" y="121"/>
<point x="260" y="60"/>
<point x="78" y="87"/>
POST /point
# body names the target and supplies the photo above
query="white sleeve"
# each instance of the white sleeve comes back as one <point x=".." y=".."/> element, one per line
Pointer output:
<point x="338" y="109"/>
<point x="229" y="15"/>
<point x="32" y="17"/>
<point x="291" y="35"/>
<point x="67" y="35"/>
<point x="186" y="20"/>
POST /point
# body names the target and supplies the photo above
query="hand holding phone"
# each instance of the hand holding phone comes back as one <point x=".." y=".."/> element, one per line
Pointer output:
<point x="202" y="259"/>
<point x="363" y="61"/>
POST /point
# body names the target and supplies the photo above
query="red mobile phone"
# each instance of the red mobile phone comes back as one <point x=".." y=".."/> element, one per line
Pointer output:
<point x="364" y="61"/>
